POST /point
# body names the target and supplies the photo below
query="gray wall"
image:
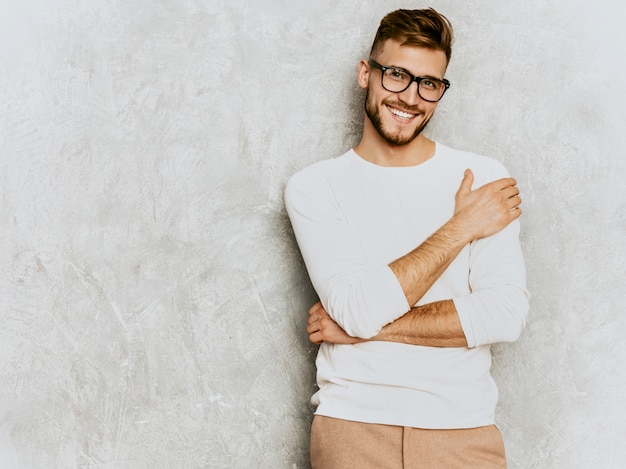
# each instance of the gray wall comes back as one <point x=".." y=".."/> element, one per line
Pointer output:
<point x="152" y="298"/>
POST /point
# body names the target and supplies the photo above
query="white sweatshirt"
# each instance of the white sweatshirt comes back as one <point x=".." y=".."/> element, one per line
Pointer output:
<point x="353" y="218"/>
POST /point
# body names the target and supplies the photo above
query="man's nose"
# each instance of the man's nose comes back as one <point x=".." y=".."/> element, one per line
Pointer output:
<point x="411" y="95"/>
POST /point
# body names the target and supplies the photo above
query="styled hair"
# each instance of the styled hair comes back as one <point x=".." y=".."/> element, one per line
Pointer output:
<point x="423" y="28"/>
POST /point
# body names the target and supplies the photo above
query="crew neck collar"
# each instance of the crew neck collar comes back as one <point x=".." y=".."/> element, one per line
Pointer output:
<point x="421" y="165"/>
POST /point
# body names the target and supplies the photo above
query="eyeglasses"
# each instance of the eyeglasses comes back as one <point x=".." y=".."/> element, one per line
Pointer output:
<point x="397" y="80"/>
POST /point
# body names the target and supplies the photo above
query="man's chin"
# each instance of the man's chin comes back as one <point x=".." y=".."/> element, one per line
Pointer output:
<point x="400" y="140"/>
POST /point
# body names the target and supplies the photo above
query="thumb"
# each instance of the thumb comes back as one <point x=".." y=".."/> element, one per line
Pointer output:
<point x="466" y="183"/>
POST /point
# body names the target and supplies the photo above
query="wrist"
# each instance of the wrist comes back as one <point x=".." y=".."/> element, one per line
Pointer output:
<point x="458" y="231"/>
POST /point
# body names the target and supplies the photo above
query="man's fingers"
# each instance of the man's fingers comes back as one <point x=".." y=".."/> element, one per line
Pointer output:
<point x="315" y="316"/>
<point x="510" y="191"/>
<point x="313" y="309"/>
<point x="514" y="201"/>
<point x="504" y="184"/>
<point x="316" y="338"/>
<point x="314" y="326"/>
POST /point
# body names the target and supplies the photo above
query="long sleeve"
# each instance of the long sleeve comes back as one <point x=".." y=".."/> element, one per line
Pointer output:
<point x="359" y="298"/>
<point x="497" y="306"/>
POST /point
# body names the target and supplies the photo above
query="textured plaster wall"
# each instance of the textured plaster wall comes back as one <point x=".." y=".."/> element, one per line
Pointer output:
<point x="152" y="298"/>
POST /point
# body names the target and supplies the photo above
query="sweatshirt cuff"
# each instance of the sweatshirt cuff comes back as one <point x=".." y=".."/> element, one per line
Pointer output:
<point x="397" y="297"/>
<point x="465" y="309"/>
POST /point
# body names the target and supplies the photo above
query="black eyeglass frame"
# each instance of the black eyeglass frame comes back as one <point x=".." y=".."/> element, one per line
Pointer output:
<point x="412" y="77"/>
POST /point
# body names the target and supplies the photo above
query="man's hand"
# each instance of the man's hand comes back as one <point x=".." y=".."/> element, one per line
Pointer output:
<point x="477" y="214"/>
<point x="322" y="328"/>
<point x="434" y="325"/>
<point x="488" y="209"/>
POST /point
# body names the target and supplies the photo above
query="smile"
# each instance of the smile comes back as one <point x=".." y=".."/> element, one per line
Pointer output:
<point x="401" y="114"/>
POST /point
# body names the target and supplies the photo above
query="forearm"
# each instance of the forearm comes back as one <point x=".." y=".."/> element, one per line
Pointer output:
<point x="419" y="269"/>
<point x="479" y="213"/>
<point x="435" y="325"/>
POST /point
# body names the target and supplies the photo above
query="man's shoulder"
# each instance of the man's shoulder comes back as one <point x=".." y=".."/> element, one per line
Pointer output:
<point x="320" y="171"/>
<point x="484" y="167"/>
<point x="326" y="166"/>
<point x="462" y="156"/>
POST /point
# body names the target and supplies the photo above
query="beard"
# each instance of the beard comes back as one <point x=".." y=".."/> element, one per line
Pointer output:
<point x="397" y="139"/>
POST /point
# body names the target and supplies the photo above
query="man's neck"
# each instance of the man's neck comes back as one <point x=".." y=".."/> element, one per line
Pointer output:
<point x="374" y="149"/>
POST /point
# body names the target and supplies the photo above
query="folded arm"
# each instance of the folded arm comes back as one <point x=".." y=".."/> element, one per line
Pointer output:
<point x="434" y="325"/>
<point x="494" y="311"/>
<point x="362" y="300"/>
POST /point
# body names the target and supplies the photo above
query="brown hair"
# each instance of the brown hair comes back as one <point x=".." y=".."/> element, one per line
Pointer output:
<point x="423" y="28"/>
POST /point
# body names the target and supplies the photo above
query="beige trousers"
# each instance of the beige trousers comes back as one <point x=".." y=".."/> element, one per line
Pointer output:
<point x="343" y="444"/>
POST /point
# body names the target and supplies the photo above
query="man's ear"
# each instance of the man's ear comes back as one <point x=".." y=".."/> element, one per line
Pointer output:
<point x="363" y="74"/>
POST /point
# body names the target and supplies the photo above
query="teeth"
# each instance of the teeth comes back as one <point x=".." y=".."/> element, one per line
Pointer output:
<point x="404" y="115"/>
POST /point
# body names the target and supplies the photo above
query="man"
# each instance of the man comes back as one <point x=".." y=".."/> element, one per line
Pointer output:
<point x="413" y="250"/>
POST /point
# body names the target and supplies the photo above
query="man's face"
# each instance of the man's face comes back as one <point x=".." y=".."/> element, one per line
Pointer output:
<point x="400" y="117"/>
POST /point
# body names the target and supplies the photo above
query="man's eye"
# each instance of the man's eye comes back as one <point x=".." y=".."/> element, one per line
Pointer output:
<point x="397" y="74"/>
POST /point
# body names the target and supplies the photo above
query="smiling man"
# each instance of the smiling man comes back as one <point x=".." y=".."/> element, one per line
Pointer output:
<point x="413" y="249"/>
